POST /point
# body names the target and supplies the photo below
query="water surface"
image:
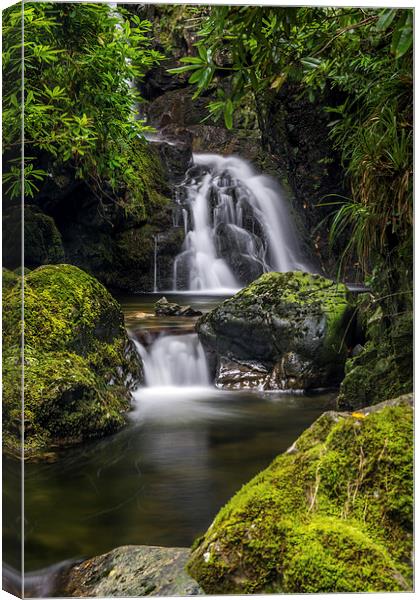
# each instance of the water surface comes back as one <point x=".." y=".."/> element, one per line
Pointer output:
<point x="161" y="480"/>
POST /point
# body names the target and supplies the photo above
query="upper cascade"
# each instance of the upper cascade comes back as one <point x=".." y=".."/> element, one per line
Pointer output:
<point x="237" y="226"/>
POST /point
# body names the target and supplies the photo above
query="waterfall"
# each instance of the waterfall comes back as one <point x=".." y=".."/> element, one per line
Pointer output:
<point x="174" y="360"/>
<point x="237" y="226"/>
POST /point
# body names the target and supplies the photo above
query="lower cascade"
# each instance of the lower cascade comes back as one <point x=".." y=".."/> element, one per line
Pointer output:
<point x="237" y="226"/>
<point x="174" y="360"/>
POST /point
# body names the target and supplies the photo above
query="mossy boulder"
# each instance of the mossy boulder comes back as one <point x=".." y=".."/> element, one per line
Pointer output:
<point x="292" y="325"/>
<point x="79" y="363"/>
<point x="332" y="514"/>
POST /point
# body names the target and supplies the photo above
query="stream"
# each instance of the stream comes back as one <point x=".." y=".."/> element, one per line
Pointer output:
<point x="187" y="449"/>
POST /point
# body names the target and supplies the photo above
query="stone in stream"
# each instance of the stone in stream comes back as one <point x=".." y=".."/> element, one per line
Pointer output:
<point x="172" y="309"/>
<point x="294" y="326"/>
<point x="132" y="571"/>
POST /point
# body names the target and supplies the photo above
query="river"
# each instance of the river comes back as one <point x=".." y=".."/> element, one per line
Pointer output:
<point x="162" y="479"/>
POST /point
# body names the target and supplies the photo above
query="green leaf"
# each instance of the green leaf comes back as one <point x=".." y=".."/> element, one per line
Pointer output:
<point x="228" y="113"/>
<point x="402" y="39"/>
<point x="195" y="77"/>
<point x="386" y="18"/>
<point x="184" y="69"/>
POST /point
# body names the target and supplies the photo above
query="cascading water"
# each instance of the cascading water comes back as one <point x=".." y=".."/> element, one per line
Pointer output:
<point x="238" y="226"/>
<point x="174" y="360"/>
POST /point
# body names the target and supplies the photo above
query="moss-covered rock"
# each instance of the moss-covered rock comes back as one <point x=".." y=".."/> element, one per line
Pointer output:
<point x="292" y="324"/>
<point x="332" y="514"/>
<point x="79" y="363"/>
<point x="383" y="368"/>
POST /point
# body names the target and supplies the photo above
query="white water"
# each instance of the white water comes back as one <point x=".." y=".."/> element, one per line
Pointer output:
<point x="239" y="227"/>
<point x="174" y="361"/>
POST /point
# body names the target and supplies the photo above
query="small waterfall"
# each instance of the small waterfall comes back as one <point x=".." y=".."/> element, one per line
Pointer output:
<point x="237" y="226"/>
<point x="174" y="360"/>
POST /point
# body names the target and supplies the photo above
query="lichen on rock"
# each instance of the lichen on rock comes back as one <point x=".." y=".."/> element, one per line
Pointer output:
<point x="79" y="363"/>
<point x="132" y="571"/>
<point x="293" y="324"/>
<point x="332" y="514"/>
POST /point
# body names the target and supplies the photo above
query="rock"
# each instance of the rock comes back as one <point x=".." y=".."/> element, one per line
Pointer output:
<point x="383" y="366"/>
<point x="79" y="363"/>
<point x="43" y="243"/>
<point x="292" y="324"/>
<point x="132" y="571"/>
<point x="332" y="514"/>
<point x="236" y="376"/>
<point x="172" y="309"/>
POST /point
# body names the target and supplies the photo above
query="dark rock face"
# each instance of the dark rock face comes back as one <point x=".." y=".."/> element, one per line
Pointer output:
<point x="382" y="364"/>
<point x="79" y="363"/>
<point x="132" y="571"/>
<point x="43" y="243"/>
<point x="293" y="325"/>
<point x="332" y="514"/>
<point x="295" y="134"/>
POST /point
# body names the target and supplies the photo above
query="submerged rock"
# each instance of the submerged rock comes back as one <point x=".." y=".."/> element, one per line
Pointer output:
<point x="132" y="571"/>
<point x="332" y="514"/>
<point x="293" y="324"/>
<point x="172" y="309"/>
<point x="79" y="363"/>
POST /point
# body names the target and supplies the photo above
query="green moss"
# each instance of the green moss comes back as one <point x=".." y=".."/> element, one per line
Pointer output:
<point x="294" y="323"/>
<point x="384" y="368"/>
<point x="333" y="514"/>
<point x="79" y="363"/>
<point x="329" y="555"/>
<point x="9" y="280"/>
<point x="151" y="192"/>
<point x="304" y="290"/>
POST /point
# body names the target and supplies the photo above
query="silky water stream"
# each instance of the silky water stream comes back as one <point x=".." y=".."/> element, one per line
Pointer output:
<point x="186" y="450"/>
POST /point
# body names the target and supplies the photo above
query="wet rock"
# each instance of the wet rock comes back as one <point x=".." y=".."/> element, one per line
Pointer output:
<point x="172" y="309"/>
<point x="293" y="324"/>
<point x="232" y="375"/>
<point x="332" y="514"/>
<point x="132" y="571"/>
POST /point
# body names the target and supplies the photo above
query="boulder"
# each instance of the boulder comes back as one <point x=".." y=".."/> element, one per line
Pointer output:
<point x="132" y="571"/>
<point x="172" y="309"/>
<point x="294" y="325"/>
<point x="79" y="363"/>
<point x="332" y="514"/>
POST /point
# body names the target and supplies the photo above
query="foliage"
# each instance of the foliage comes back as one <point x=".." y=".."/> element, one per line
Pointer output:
<point x="365" y="57"/>
<point x="80" y="62"/>
<point x="332" y="514"/>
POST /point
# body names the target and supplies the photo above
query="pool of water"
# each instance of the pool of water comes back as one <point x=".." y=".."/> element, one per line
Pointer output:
<point x="162" y="479"/>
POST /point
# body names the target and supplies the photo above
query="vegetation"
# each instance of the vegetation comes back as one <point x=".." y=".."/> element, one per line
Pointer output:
<point x="332" y="514"/>
<point x="79" y="363"/>
<point x="80" y="102"/>
<point x="365" y="57"/>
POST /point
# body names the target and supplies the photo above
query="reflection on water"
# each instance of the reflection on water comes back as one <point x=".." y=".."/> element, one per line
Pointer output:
<point x="161" y="480"/>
